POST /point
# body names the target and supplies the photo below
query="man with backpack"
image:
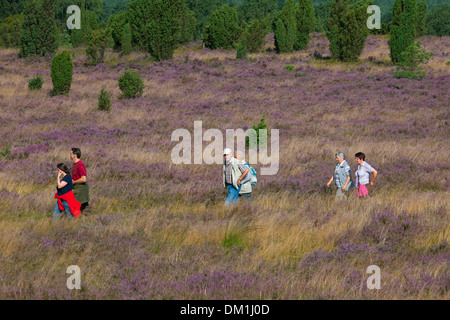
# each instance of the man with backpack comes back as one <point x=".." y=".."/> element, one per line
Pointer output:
<point x="249" y="180"/>
<point x="233" y="174"/>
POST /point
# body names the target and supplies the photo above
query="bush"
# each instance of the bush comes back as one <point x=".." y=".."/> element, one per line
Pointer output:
<point x="255" y="33"/>
<point x="285" y="28"/>
<point x="61" y="73"/>
<point x="126" y="39"/>
<point x="38" y="32"/>
<point x="223" y="30"/>
<point x="305" y="20"/>
<point x="97" y="42"/>
<point x="104" y="101"/>
<point x="403" y="29"/>
<point x="116" y="24"/>
<point x="241" y="52"/>
<point x="438" y="20"/>
<point x="259" y="141"/>
<point x="347" y="29"/>
<point x="411" y="58"/>
<point x="290" y="68"/>
<point x="35" y="83"/>
<point x="131" y="84"/>
<point x="5" y="152"/>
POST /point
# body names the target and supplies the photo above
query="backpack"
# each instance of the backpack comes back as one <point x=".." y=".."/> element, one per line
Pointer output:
<point x="253" y="178"/>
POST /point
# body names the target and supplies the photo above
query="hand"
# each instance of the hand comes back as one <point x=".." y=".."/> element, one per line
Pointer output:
<point x="344" y="188"/>
<point x="371" y="183"/>
<point x="238" y="182"/>
<point x="59" y="174"/>
<point x="328" y="184"/>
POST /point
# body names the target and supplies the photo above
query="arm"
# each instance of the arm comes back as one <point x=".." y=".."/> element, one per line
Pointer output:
<point x="81" y="180"/>
<point x="331" y="180"/>
<point x="374" y="172"/>
<point x="346" y="183"/>
<point x="242" y="176"/>
<point x="61" y="184"/>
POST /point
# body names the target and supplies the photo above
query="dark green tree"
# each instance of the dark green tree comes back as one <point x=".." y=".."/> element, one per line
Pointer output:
<point x="421" y="18"/>
<point x="305" y="20"/>
<point x="164" y="27"/>
<point x="256" y="9"/>
<point x="188" y="26"/>
<point x="116" y="24"/>
<point x="97" y="42"/>
<point x="61" y="73"/>
<point x="126" y="39"/>
<point x="347" y="29"/>
<point x="38" y="34"/>
<point x="438" y="20"/>
<point x="223" y="30"/>
<point x="403" y="29"/>
<point x="202" y="11"/>
<point x="255" y="33"/>
<point x="285" y="28"/>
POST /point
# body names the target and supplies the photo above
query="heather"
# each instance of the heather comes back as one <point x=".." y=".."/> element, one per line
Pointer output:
<point x="156" y="230"/>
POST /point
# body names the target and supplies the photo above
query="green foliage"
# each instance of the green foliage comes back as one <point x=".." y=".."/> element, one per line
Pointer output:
<point x="322" y="13"/>
<point x="104" y="100"/>
<point x="61" y="73"/>
<point x="188" y="25"/>
<point x="38" y="34"/>
<point x="35" y="83"/>
<point x="290" y="68"/>
<point x="10" y="31"/>
<point x="305" y="20"/>
<point x="116" y="24"/>
<point x="5" y="152"/>
<point x="97" y="42"/>
<point x="223" y="30"/>
<point x="202" y="11"/>
<point x="126" y="39"/>
<point x="421" y="18"/>
<point x="347" y="29"/>
<point x="164" y="27"/>
<point x="260" y="141"/>
<point x="256" y="9"/>
<point x="241" y="52"/>
<point x="285" y="28"/>
<point x="255" y="33"/>
<point x="403" y="29"/>
<point x="411" y="59"/>
<point x="131" y="84"/>
<point x="438" y="20"/>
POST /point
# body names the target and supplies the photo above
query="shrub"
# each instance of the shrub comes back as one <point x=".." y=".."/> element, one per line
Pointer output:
<point x="411" y="58"/>
<point x="104" y="100"/>
<point x="347" y="29"/>
<point x="38" y="32"/>
<point x="305" y="21"/>
<point x="241" y="52"/>
<point x="131" y="84"/>
<point x="61" y="73"/>
<point x="187" y="27"/>
<point x="126" y="39"/>
<point x="437" y="21"/>
<point x="255" y="33"/>
<point x="223" y="30"/>
<point x="97" y="42"/>
<point x="116" y="24"/>
<point x="260" y="141"/>
<point x="35" y="83"/>
<point x="5" y="152"/>
<point x="403" y="29"/>
<point x="285" y="28"/>
<point x="290" y="68"/>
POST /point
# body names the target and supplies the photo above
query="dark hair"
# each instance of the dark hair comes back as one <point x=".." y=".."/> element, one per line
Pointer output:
<point x="77" y="152"/>
<point x="63" y="167"/>
<point x="360" y="156"/>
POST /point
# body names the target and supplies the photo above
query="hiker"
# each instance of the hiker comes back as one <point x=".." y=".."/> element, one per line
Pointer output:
<point x="246" y="187"/>
<point x="64" y="194"/>
<point x="233" y="174"/>
<point x="342" y="177"/>
<point x="363" y="174"/>
<point x="80" y="185"/>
